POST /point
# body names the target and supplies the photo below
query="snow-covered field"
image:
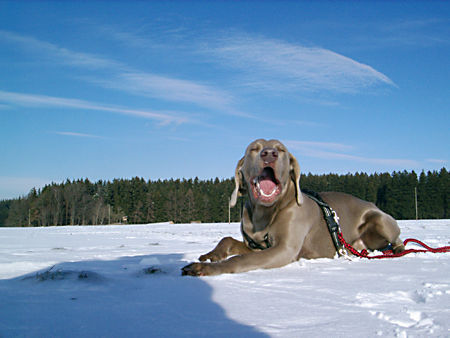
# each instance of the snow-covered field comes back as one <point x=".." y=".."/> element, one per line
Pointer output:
<point x="124" y="281"/>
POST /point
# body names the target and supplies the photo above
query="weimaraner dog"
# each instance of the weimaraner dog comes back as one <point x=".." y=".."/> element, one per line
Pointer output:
<point x="286" y="223"/>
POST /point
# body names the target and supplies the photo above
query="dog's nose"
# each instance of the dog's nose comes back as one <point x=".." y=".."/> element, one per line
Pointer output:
<point x="269" y="155"/>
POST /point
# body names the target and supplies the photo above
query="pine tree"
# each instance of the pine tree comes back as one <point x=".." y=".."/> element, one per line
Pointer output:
<point x="84" y="202"/>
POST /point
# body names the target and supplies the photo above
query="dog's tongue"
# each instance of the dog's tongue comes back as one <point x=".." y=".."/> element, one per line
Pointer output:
<point x="267" y="186"/>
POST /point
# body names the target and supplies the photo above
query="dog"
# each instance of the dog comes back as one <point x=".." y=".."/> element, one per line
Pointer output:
<point x="280" y="224"/>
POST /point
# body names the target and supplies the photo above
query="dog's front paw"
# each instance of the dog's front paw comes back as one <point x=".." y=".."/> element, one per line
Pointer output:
<point x="197" y="269"/>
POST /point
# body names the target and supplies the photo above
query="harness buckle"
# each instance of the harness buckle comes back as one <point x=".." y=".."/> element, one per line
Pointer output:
<point x="335" y="216"/>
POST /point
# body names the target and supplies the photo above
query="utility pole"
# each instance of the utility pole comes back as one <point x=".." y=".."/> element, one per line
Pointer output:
<point x="229" y="211"/>
<point x="415" y="198"/>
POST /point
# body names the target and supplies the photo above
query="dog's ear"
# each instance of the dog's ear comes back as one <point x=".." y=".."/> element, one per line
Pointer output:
<point x="295" y="176"/>
<point x="239" y="188"/>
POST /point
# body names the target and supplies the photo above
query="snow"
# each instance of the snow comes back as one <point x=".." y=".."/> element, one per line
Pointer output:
<point x="124" y="281"/>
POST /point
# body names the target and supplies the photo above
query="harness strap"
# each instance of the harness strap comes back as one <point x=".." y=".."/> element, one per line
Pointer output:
<point x="329" y="215"/>
<point x="251" y="242"/>
<point x="331" y="218"/>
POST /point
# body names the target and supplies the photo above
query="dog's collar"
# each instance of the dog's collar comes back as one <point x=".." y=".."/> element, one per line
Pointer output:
<point x="252" y="243"/>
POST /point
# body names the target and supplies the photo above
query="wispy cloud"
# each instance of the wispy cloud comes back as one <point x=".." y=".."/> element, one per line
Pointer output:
<point x="313" y="145"/>
<point x="124" y="78"/>
<point x="337" y="151"/>
<point x="130" y="39"/>
<point x="415" y="32"/>
<point x="263" y="64"/>
<point x="437" y="161"/>
<point x="30" y="100"/>
<point x="75" y="134"/>
<point x="59" y="54"/>
<point x="400" y="33"/>
<point x="167" y="88"/>
<point x="277" y="65"/>
<point x="287" y="122"/>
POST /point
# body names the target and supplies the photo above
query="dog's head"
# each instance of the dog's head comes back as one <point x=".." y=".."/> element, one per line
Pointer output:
<point x="265" y="172"/>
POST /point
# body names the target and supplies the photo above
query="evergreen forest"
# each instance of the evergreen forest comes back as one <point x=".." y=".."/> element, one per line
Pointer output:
<point x="81" y="202"/>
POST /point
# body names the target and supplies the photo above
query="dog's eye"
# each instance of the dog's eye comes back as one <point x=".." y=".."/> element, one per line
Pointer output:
<point x="281" y="149"/>
<point x="255" y="148"/>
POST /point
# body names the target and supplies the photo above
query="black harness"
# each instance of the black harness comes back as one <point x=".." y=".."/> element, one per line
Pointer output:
<point x="255" y="245"/>
<point x="331" y="218"/>
<point x="329" y="215"/>
<point x="251" y="242"/>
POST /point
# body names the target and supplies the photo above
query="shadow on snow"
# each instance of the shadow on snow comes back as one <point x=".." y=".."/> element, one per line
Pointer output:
<point x="126" y="297"/>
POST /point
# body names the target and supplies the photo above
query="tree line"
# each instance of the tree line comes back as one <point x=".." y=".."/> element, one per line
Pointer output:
<point x="81" y="202"/>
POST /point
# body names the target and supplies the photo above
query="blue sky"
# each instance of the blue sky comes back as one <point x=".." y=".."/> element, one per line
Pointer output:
<point x="161" y="90"/>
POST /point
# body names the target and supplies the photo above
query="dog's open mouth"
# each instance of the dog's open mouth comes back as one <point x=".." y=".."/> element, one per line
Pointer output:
<point x="266" y="187"/>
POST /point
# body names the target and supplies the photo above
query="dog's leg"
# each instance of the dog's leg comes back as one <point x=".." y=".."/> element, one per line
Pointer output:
<point x="273" y="257"/>
<point x="228" y="246"/>
<point x="389" y="229"/>
<point x="382" y="229"/>
<point x="359" y="245"/>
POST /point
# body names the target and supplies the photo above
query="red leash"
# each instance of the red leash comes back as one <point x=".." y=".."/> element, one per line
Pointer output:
<point x="390" y="254"/>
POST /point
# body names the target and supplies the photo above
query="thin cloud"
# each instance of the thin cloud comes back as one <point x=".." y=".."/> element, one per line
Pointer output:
<point x="59" y="54"/>
<point x="286" y="122"/>
<point x="127" y="79"/>
<point x="75" y="134"/>
<point x="436" y="160"/>
<point x="312" y="145"/>
<point x="307" y="123"/>
<point x="271" y="64"/>
<point x="30" y="100"/>
<point x="404" y="163"/>
<point x="329" y="150"/>
<point x="167" y="88"/>
<point x="417" y="32"/>
<point x="123" y="37"/>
